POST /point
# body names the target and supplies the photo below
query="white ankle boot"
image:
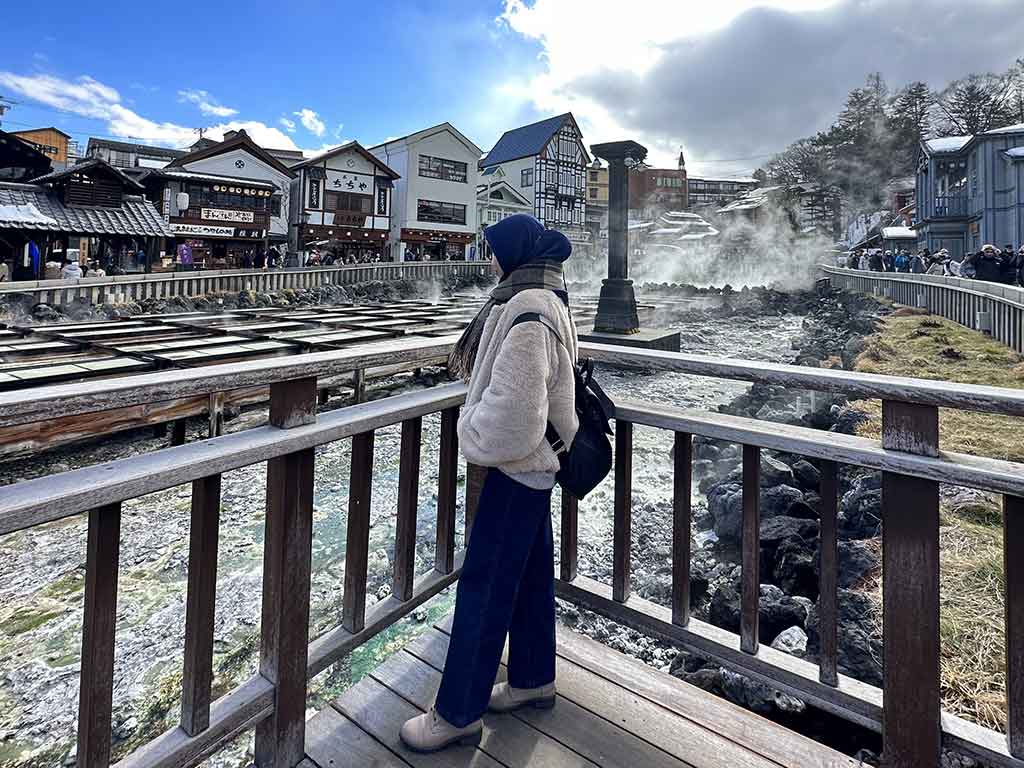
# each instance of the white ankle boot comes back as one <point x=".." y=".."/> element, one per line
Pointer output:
<point x="505" y="698"/>
<point x="430" y="732"/>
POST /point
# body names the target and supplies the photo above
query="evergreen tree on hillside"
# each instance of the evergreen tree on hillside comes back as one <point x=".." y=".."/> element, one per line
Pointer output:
<point x="976" y="103"/>
<point x="910" y="122"/>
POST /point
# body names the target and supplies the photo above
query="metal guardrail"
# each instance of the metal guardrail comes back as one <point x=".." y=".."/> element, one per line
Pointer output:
<point x="992" y="308"/>
<point x="273" y="701"/>
<point x="98" y="290"/>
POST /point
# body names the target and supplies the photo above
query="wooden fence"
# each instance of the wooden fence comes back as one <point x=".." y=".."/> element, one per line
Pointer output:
<point x="993" y="308"/>
<point x="273" y="701"/>
<point x="163" y="285"/>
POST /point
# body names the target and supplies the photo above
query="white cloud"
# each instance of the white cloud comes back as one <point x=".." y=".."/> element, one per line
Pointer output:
<point x="585" y="38"/>
<point x="207" y="104"/>
<point x="289" y="125"/>
<point x="337" y="132"/>
<point x="311" y="121"/>
<point x="92" y="99"/>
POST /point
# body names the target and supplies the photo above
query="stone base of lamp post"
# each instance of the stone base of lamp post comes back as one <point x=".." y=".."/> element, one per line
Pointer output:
<point x="616" y="309"/>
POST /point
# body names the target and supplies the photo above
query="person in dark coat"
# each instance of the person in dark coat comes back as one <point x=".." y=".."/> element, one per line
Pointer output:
<point x="875" y="260"/>
<point x="988" y="265"/>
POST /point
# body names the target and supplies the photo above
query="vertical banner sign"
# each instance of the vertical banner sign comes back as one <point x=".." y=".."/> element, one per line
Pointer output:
<point x="382" y="201"/>
<point x="314" y="194"/>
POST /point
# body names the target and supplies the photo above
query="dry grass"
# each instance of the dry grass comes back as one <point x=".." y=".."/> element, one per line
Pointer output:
<point x="972" y="582"/>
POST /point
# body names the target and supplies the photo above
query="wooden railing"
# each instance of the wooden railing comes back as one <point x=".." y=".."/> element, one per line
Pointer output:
<point x="272" y="702"/>
<point x="992" y="308"/>
<point x="949" y="206"/>
<point x="98" y="290"/>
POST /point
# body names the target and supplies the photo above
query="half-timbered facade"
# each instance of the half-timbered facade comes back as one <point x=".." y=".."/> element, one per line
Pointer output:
<point x="547" y="162"/>
<point x="342" y="198"/>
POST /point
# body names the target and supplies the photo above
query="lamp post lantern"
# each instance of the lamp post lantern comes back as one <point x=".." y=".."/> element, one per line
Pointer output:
<point x="616" y="309"/>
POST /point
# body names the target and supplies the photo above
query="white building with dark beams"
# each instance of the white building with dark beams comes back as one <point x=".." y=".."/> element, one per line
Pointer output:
<point x="435" y="200"/>
<point x="546" y="162"/>
<point x="343" y="196"/>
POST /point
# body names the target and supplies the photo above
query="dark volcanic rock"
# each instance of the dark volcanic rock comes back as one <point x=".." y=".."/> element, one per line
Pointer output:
<point x="778" y="611"/>
<point x="860" y="512"/>
<point x="807" y="475"/>
<point x="777" y="501"/>
<point x="860" y="652"/>
<point x="774" y="472"/>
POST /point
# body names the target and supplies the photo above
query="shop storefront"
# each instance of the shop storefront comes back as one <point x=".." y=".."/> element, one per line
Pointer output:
<point x="435" y="245"/>
<point x="347" y="244"/>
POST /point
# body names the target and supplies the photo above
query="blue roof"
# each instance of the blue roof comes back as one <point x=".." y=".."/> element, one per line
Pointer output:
<point x="524" y="142"/>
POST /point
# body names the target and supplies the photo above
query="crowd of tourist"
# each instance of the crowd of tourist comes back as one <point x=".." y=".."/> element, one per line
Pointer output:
<point x="989" y="263"/>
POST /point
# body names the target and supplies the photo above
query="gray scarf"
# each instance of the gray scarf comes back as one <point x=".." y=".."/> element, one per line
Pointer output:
<point x="539" y="274"/>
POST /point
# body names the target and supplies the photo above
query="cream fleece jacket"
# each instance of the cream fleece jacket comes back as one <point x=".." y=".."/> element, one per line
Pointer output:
<point x="521" y="379"/>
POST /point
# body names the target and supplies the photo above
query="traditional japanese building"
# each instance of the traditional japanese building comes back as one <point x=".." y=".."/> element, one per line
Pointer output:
<point x="547" y="163"/>
<point x="224" y="201"/>
<point x="88" y="212"/>
<point x="128" y="156"/>
<point x="342" y="199"/>
<point x="434" y="200"/>
<point x="52" y="142"/>
<point x="970" y="191"/>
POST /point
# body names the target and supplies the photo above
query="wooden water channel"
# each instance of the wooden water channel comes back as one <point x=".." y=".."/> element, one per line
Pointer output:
<point x="992" y="308"/>
<point x="611" y="711"/>
<point x="163" y="285"/>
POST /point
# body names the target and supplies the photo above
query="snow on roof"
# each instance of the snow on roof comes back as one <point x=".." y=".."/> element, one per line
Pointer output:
<point x="898" y="233"/>
<point x="738" y="180"/>
<point x="1015" y="152"/>
<point x="948" y="144"/>
<point x="1016" y="128"/>
<point x="26" y="214"/>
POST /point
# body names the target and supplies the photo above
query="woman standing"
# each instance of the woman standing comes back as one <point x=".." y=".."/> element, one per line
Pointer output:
<point x="520" y="379"/>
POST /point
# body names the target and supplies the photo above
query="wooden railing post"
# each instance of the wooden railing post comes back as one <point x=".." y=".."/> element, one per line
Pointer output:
<point x="828" y="575"/>
<point x="287" y="550"/>
<point x="408" y="504"/>
<point x="475" y="477"/>
<point x="447" y="480"/>
<point x="358" y="541"/>
<point x="96" y="687"/>
<point x="750" y="594"/>
<point x="199" y="609"/>
<point x="911" y="729"/>
<point x="1013" y="563"/>
<point x="623" y="525"/>
<point x="569" y="550"/>
<point x="682" y="488"/>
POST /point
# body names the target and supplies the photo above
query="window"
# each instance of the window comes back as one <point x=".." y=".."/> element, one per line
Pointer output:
<point x="526" y="179"/>
<point x="593" y="193"/>
<point x="593" y="175"/>
<point x="275" y="205"/>
<point x="347" y="201"/>
<point x="440" y="213"/>
<point x="439" y="168"/>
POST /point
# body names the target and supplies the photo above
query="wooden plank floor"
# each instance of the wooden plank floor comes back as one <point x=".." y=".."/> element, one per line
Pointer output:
<point x="611" y="711"/>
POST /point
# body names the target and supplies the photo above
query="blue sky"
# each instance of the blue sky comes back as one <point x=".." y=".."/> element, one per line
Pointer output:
<point x="352" y="70"/>
<point x="729" y="82"/>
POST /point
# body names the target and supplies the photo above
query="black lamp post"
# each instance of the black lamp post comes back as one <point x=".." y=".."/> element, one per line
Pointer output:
<point x="616" y="309"/>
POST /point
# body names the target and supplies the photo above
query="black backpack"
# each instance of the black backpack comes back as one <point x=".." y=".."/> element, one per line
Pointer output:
<point x="585" y="463"/>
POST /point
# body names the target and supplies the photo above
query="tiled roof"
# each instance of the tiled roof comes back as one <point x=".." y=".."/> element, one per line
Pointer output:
<point x="86" y="165"/>
<point x="136" y="216"/>
<point x="524" y="142"/>
<point x="181" y="173"/>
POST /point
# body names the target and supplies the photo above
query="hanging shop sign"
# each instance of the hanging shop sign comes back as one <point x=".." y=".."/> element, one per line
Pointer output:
<point x="222" y="214"/>
<point x="314" y="194"/>
<point x="340" y="181"/>
<point x="202" y="230"/>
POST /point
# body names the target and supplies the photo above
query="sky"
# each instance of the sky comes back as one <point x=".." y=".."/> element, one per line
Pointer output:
<point x="729" y="82"/>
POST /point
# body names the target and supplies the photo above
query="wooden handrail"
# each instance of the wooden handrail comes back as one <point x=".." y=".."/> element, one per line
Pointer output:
<point x="274" y="702"/>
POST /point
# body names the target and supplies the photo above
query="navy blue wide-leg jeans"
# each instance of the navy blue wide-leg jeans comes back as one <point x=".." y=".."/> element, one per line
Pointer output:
<point x="507" y="587"/>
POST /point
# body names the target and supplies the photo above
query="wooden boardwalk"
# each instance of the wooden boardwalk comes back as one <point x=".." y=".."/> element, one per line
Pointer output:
<point x="611" y="711"/>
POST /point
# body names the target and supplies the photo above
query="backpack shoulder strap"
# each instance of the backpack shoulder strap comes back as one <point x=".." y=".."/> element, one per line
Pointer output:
<point x="557" y="444"/>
